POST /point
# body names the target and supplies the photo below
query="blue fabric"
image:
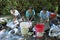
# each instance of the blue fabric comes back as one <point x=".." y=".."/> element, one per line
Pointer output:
<point x="44" y="15"/>
<point x="30" y="14"/>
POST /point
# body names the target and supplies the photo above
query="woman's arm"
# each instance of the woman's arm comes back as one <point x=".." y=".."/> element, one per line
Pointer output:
<point x="11" y="12"/>
<point x="31" y="18"/>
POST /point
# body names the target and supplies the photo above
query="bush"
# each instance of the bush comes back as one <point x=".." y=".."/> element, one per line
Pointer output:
<point x="5" y="5"/>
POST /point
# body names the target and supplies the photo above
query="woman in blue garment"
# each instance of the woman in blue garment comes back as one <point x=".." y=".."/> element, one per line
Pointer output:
<point x="44" y="15"/>
<point x="30" y="13"/>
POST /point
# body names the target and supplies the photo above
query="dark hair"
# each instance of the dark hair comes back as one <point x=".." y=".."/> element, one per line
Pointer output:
<point x="12" y="8"/>
<point x="44" y="8"/>
<point x="30" y="7"/>
<point x="55" y="22"/>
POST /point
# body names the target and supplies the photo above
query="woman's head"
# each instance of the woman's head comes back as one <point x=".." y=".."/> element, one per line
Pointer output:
<point x="30" y="8"/>
<point x="13" y="9"/>
<point x="44" y="9"/>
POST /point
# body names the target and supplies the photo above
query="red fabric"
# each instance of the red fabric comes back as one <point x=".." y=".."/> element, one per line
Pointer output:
<point x="52" y="15"/>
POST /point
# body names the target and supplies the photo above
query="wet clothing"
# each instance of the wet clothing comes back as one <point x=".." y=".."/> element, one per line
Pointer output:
<point x="29" y="15"/>
<point x="16" y="13"/>
<point x="44" y="15"/>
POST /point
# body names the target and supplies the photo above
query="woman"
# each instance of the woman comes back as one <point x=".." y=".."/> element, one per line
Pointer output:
<point x="44" y="15"/>
<point x="44" y="18"/>
<point x="14" y="12"/>
<point x="30" y="13"/>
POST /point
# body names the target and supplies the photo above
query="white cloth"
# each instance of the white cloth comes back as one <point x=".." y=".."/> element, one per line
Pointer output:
<point x="12" y="24"/>
<point x="3" y="20"/>
<point x="15" y="31"/>
<point x="34" y="29"/>
<point x="25" y="27"/>
<point x="16" y="13"/>
<point x="2" y="34"/>
<point x="55" y="31"/>
<point x="26" y="24"/>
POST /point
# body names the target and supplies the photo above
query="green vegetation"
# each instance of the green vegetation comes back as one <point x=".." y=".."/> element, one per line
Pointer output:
<point x="20" y="5"/>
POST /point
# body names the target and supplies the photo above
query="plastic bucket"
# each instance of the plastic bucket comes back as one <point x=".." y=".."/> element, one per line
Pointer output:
<point x="39" y="27"/>
<point x="39" y="30"/>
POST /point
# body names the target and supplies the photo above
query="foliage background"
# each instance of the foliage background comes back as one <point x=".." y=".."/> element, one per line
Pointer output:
<point x="22" y="5"/>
